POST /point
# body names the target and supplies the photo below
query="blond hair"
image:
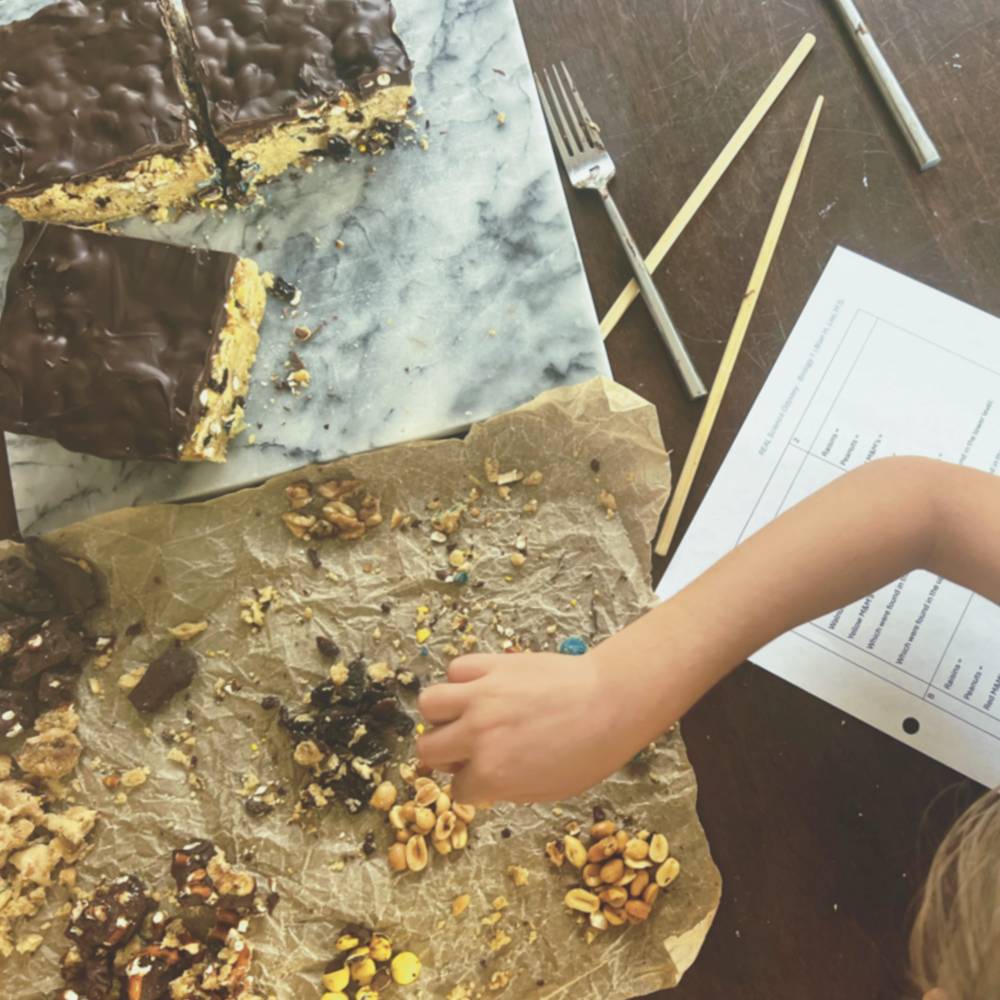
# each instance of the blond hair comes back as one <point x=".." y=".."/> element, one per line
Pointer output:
<point x="955" y="942"/>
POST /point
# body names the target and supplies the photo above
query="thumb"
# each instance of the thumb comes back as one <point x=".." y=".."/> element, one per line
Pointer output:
<point x="471" y="668"/>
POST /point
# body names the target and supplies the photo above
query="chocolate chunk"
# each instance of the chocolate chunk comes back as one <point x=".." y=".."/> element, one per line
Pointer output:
<point x="335" y="728"/>
<point x="327" y="647"/>
<point x="56" y="685"/>
<point x="314" y="558"/>
<point x="285" y="290"/>
<point x="301" y="725"/>
<point x="153" y="969"/>
<point x="599" y="815"/>
<point x="595" y="465"/>
<point x="53" y="644"/>
<point x="353" y="690"/>
<point x="258" y="808"/>
<point x="14" y="630"/>
<point x="372" y="747"/>
<point x="270" y="702"/>
<point x="205" y="878"/>
<point x="338" y="148"/>
<point x="17" y="712"/>
<point x="169" y="673"/>
<point x="324" y="695"/>
<point x="74" y="587"/>
<point x="136" y="628"/>
<point x="111" y="916"/>
<point x="273" y="898"/>
<point x="23" y="590"/>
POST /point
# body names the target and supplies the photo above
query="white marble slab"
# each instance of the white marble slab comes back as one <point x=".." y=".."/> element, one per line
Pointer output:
<point x="441" y="247"/>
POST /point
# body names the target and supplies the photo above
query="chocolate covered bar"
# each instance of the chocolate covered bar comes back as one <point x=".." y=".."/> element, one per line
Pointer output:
<point x="93" y="124"/>
<point x="127" y="348"/>
<point x="286" y="80"/>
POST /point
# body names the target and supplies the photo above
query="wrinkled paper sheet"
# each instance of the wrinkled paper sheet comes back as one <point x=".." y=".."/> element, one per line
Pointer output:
<point x="168" y="564"/>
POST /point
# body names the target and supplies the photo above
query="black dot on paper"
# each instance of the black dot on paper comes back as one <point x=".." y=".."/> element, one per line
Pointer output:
<point x="911" y="726"/>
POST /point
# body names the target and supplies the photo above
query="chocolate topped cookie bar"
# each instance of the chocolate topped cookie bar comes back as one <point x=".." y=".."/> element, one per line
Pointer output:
<point x="126" y="348"/>
<point x="286" y="80"/>
<point x="93" y="124"/>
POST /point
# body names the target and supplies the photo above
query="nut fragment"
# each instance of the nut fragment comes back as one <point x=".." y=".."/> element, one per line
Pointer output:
<point x="612" y="870"/>
<point x="667" y="872"/>
<point x="443" y="804"/>
<point x="637" y="908"/>
<point x="461" y="904"/>
<point x="598" y="921"/>
<point x="592" y="875"/>
<point x="651" y="894"/>
<point x="580" y="899"/>
<point x="603" y="829"/>
<point x="555" y="853"/>
<point x="615" y="917"/>
<point x="460" y="835"/>
<point x="380" y="948"/>
<point x="397" y="857"/>
<point x="465" y="813"/>
<point x="424" y="820"/>
<point x="602" y="850"/>
<point x="384" y="796"/>
<point x="442" y="846"/>
<point x="639" y="883"/>
<point x="637" y="850"/>
<point x="416" y="854"/>
<point x="396" y="818"/>
<point x="576" y="853"/>
<point x="337" y="980"/>
<point x="659" y="849"/>
<point x="445" y="826"/>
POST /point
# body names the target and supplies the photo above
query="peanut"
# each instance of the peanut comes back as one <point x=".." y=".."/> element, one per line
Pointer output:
<point x="639" y="883"/>
<point x="336" y="981"/>
<point x="402" y="836"/>
<point x="425" y="820"/>
<point x="614" y="916"/>
<point x="363" y="972"/>
<point x="637" y="908"/>
<point x="592" y="876"/>
<point x="602" y="850"/>
<point x="605" y="828"/>
<point x="667" y="872"/>
<point x="580" y="899"/>
<point x="658" y="849"/>
<point x="396" y="818"/>
<point x="459" y="835"/>
<point x="380" y="948"/>
<point x="464" y="812"/>
<point x="397" y="858"/>
<point x="461" y="904"/>
<point x="445" y="826"/>
<point x="621" y="840"/>
<point x="645" y="863"/>
<point x="614" y="896"/>
<point x="443" y="804"/>
<point x="576" y="853"/>
<point x="384" y="796"/>
<point x="612" y="870"/>
<point x="636" y="850"/>
<point x="427" y="794"/>
<point x="651" y="894"/>
<point x="408" y="811"/>
<point x="598" y="921"/>
<point x="416" y="853"/>
<point x="442" y="846"/>
<point x="627" y="878"/>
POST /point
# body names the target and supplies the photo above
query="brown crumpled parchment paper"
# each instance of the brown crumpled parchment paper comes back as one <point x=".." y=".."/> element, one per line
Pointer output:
<point x="164" y="565"/>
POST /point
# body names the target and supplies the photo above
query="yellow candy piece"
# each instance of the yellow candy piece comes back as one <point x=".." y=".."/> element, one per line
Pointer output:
<point x="405" y="968"/>
<point x="381" y="948"/>
<point x="336" y="982"/>
<point x="346" y="942"/>
<point x="366" y="993"/>
<point x="363" y="972"/>
<point x="334" y="996"/>
<point x="423" y="634"/>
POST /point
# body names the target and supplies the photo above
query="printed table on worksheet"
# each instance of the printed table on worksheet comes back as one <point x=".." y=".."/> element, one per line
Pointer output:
<point x="877" y="365"/>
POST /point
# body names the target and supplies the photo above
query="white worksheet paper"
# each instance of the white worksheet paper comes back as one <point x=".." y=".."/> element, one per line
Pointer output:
<point x="877" y="364"/>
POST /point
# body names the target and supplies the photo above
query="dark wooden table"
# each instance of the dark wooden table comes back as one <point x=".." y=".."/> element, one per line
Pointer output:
<point x="815" y="819"/>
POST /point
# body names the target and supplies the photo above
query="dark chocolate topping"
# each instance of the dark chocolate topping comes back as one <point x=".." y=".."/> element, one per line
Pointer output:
<point x="85" y="86"/>
<point x="105" y="340"/>
<point x="55" y="643"/>
<point x="111" y="916"/>
<point x="168" y="674"/>
<point x="73" y="586"/>
<point x="260" y="58"/>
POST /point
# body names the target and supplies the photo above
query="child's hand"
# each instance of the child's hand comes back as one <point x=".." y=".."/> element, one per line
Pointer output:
<point x="538" y="727"/>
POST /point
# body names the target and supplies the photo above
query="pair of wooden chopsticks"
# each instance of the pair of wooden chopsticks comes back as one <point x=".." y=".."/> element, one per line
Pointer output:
<point x="673" y="231"/>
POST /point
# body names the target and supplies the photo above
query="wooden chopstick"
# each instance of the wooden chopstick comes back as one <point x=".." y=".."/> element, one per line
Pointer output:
<point x="704" y="188"/>
<point x="736" y="337"/>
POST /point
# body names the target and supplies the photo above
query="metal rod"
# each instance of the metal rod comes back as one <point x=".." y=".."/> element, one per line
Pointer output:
<point x="913" y="131"/>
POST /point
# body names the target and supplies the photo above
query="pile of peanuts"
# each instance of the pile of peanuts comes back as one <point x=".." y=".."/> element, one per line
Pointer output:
<point x="622" y="875"/>
<point x="429" y="816"/>
<point x="366" y="961"/>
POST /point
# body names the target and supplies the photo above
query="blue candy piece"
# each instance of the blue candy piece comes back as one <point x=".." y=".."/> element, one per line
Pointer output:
<point x="573" y="646"/>
<point x="460" y="578"/>
<point x="424" y="652"/>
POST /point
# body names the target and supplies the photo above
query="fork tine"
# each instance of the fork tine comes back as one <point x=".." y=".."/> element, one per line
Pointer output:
<point x="575" y="142"/>
<point x="577" y="110"/>
<point x="553" y="124"/>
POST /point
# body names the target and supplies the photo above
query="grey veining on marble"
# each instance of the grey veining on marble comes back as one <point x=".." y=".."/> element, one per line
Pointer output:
<point x="441" y="247"/>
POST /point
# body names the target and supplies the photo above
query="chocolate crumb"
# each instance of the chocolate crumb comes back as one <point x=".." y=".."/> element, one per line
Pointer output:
<point x="270" y="702"/>
<point x="595" y="466"/>
<point x="599" y="815"/>
<point x="314" y="558"/>
<point x="327" y="647"/>
<point x="506" y="832"/>
<point x="136" y="628"/>
<point x="386" y="607"/>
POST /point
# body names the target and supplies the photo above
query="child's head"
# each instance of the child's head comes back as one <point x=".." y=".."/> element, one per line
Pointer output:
<point x="955" y="944"/>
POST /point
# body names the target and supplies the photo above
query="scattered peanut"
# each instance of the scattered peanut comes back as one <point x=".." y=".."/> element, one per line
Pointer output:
<point x="461" y="904"/>
<point x="621" y="875"/>
<point x="384" y="796"/>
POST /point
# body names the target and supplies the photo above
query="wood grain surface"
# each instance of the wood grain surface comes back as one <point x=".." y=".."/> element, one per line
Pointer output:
<point x="823" y="827"/>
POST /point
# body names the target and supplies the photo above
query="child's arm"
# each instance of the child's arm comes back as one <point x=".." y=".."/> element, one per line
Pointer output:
<point x="543" y="727"/>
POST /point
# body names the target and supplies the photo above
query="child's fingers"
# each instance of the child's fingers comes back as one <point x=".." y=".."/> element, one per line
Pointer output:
<point x="471" y="668"/>
<point x="444" y="745"/>
<point x="467" y="785"/>
<point x="443" y="703"/>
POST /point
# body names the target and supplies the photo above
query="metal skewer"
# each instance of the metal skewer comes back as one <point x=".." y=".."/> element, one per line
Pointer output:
<point x="913" y="131"/>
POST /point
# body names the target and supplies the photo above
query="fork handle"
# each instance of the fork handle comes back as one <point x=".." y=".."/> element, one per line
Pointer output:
<point x="664" y="324"/>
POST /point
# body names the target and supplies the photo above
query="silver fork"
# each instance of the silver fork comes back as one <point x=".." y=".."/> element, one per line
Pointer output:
<point x="588" y="165"/>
